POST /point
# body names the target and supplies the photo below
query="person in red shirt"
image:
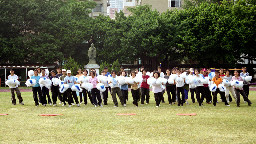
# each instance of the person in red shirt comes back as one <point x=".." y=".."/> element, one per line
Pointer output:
<point x="144" y="88"/>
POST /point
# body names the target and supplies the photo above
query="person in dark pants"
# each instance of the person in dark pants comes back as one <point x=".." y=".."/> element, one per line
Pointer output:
<point x="170" y="88"/>
<point x="70" y="80"/>
<point x="107" y="74"/>
<point x="192" y="86"/>
<point x="13" y="76"/>
<point x="243" y="74"/>
<point x="207" y="92"/>
<point x="239" y="91"/>
<point x="135" y="90"/>
<point x="115" y="89"/>
<point x="64" y="95"/>
<point x="45" y="90"/>
<point x="144" y="87"/>
<point x="85" y="92"/>
<point x="159" y="68"/>
<point x="157" y="89"/>
<point x="54" y="89"/>
<point x="199" y="87"/>
<point x="124" y="88"/>
<point x="96" y="98"/>
<point x="105" y="93"/>
<point x="218" y="80"/>
<point x="180" y="82"/>
<point x="59" y="74"/>
<point x="37" y="90"/>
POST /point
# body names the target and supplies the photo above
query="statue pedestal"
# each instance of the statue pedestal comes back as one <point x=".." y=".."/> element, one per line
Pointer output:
<point x="88" y="67"/>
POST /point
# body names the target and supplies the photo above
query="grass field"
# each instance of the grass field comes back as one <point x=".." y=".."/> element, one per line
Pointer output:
<point x="87" y="124"/>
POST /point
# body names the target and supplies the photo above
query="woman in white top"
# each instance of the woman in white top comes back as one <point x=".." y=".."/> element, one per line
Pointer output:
<point x="229" y="88"/>
<point x="199" y="87"/>
<point x="180" y="82"/>
<point x="157" y="89"/>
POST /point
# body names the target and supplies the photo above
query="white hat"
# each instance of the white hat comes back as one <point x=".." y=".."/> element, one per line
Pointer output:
<point x="68" y="71"/>
<point x="63" y="70"/>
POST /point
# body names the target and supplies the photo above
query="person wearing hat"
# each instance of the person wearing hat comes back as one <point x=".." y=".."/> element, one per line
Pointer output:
<point x="70" y="80"/>
<point x="54" y="89"/>
<point x="15" y="88"/>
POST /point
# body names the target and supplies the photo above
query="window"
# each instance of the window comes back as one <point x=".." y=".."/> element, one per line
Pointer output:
<point x="98" y="8"/>
<point x="174" y="3"/>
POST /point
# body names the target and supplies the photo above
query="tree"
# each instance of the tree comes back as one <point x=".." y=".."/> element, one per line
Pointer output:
<point x="71" y="64"/>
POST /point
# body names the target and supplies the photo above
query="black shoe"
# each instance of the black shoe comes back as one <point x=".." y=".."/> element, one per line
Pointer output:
<point x="13" y="103"/>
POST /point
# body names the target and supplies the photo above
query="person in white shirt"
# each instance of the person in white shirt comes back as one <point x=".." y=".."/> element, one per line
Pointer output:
<point x="199" y="87"/>
<point x="157" y="89"/>
<point x="192" y="87"/>
<point x="115" y="89"/>
<point x="229" y="88"/>
<point x="161" y="74"/>
<point x="180" y="82"/>
<point x="15" y="88"/>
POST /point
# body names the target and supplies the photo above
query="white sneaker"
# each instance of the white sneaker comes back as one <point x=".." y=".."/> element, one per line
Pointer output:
<point x="50" y="103"/>
<point x="21" y="103"/>
<point x="124" y="105"/>
<point x="78" y="105"/>
<point x="69" y="105"/>
<point x="186" y="102"/>
<point x="101" y="105"/>
<point x="157" y="106"/>
<point x="95" y="105"/>
<point x="73" y="104"/>
<point x="146" y="103"/>
<point x="115" y="106"/>
<point x="54" y="105"/>
<point x="60" y="103"/>
<point x="63" y="105"/>
<point x="44" y="104"/>
<point x="228" y="105"/>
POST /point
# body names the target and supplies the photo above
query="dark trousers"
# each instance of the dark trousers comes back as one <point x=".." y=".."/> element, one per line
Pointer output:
<point x="207" y="94"/>
<point x="238" y="92"/>
<point x="144" y="92"/>
<point x="135" y="96"/>
<point x="71" y="94"/>
<point x="55" y="93"/>
<point x="246" y="90"/>
<point x="171" y="90"/>
<point x="180" y="90"/>
<point x="18" y="95"/>
<point x="192" y="91"/>
<point x="200" y="90"/>
<point x="117" y="91"/>
<point x="125" y="95"/>
<point x="45" y="92"/>
<point x="158" y="98"/>
<point x="37" y="90"/>
<point x="222" y="95"/>
<point x="60" y="97"/>
<point x="105" y="96"/>
<point x="85" y="93"/>
<point x="64" y="98"/>
<point x="96" y="98"/>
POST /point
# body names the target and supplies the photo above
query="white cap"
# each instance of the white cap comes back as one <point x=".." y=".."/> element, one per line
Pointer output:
<point x="63" y="70"/>
<point x="68" y="71"/>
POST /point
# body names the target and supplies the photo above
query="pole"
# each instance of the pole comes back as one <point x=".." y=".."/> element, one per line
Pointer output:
<point x="4" y="77"/>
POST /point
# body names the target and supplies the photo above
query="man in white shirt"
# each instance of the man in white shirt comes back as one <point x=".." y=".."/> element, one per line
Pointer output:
<point x="15" y="88"/>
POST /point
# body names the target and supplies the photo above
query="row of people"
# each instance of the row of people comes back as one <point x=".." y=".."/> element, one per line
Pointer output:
<point x="177" y="83"/>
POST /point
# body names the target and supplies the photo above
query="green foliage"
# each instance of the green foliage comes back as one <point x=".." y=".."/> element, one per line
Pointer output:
<point x="71" y="64"/>
<point x="103" y="65"/>
<point x="115" y="66"/>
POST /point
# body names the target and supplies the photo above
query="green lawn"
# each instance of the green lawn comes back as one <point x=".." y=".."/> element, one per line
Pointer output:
<point x="87" y="124"/>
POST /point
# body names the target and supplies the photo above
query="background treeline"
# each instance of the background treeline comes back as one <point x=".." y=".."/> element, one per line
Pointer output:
<point x="203" y="33"/>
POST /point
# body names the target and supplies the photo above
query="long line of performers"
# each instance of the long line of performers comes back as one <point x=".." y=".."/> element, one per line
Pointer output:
<point x="205" y="84"/>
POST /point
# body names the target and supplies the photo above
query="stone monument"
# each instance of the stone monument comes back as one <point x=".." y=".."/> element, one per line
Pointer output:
<point x="92" y="60"/>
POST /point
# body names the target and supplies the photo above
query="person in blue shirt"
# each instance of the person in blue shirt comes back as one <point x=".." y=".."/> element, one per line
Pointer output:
<point x="70" y="80"/>
<point x="124" y="88"/>
<point x="37" y="90"/>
